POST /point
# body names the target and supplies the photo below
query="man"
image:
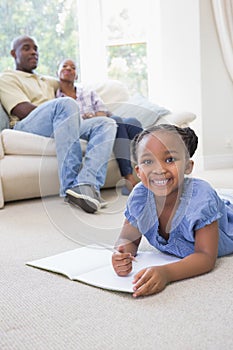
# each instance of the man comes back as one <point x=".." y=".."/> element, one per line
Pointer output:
<point x="30" y="102"/>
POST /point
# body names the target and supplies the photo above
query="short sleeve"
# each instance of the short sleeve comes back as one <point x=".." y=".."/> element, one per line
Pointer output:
<point x="11" y="92"/>
<point x="206" y="205"/>
<point x="140" y="209"/>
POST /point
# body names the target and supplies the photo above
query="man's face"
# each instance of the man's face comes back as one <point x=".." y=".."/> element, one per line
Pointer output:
<point x="26" y="55"/>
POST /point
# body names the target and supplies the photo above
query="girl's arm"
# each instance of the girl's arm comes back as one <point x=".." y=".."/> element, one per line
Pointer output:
<point x="154" y="279"/>
<point x="204" y="257"/>
<point x="127" y="246"/>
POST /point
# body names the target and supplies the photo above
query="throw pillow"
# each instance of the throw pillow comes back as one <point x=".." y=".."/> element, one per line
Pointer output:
<point x="141" y="108"/>
<point x="110" y="91"/>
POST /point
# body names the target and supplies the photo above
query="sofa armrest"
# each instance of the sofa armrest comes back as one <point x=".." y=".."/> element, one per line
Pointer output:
<point x="14" y="142"/>
<point x="4" y="119"/>
<point x="24" y="143"/>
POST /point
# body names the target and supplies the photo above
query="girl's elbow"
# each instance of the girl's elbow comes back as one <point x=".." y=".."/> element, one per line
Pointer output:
<point x="211" y="263"/>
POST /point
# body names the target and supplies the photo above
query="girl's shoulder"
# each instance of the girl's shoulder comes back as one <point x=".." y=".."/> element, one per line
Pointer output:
<point x="199" y="189"/>
<point x="199" y="185"/>
<point x="139" y="199"/>
<point x="140" y="209"/>
<point x="201" y="201"/>
<point x="140" y="192"/>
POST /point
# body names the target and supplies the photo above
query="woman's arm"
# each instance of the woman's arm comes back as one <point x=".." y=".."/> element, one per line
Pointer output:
<point x="92" y="115"/>
<point x="101" y="114"/>
<point x="154" y="279"/>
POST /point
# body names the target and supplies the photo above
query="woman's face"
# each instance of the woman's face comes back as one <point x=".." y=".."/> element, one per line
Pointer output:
<point x="162" y="162"/>
<point x="67" y="71"/>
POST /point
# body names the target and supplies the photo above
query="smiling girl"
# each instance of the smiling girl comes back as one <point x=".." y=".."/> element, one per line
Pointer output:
<point x="177" y="214"/>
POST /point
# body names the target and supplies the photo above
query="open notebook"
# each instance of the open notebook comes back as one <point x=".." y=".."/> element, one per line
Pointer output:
<point x="92" y="265"/>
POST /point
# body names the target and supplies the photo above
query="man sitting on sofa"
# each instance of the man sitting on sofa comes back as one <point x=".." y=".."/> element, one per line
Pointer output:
<point x="29" y="99"/>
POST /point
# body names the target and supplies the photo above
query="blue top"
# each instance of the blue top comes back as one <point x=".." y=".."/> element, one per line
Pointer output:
<point x="199" y="206"/>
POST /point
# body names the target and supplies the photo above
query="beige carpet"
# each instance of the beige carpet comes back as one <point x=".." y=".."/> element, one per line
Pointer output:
<point x="42" y="310"/>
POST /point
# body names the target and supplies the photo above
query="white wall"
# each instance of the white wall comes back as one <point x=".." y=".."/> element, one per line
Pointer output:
<point x="217" y="94"/>
<point x="189" y="74"/>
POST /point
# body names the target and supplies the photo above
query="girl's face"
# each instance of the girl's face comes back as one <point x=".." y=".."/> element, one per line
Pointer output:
<point x="162" y="162"/>
<point x="67" y="71"/>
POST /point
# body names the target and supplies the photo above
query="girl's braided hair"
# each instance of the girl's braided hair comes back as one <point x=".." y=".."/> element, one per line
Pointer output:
<point x="188" y="136"/>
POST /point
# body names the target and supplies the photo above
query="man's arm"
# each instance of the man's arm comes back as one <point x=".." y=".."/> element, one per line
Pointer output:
<point x="22" y="109"/>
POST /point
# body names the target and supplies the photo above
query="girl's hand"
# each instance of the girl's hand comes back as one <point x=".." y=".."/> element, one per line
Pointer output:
<point x="122" y="262"/>
<point x="150" y="280"/>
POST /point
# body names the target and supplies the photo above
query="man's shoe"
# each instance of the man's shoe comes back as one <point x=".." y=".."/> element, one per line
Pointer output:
<point x="103" y="202"/>
<point x="85" y="197"/>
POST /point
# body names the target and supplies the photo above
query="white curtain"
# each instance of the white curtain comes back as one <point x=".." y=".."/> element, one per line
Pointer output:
<point x="93" y="66"/>
<point x="223" y="13"/>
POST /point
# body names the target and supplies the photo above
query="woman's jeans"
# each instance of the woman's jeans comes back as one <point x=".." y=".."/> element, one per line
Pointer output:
<point x="59" y="118"/>
<point x="127" y="129"/>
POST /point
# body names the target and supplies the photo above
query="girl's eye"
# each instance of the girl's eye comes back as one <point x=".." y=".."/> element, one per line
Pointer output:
<point x="170" y="160"/>
<point x="147" y="162"/>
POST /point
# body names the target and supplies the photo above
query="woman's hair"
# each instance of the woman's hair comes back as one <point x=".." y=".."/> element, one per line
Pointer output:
<point x="188" y="136"/>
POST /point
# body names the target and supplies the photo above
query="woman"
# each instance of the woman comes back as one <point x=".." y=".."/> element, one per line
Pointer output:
<point x="91" y="105"/>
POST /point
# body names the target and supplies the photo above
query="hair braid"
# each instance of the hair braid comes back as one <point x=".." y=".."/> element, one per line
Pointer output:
<point x="187" y="134"/>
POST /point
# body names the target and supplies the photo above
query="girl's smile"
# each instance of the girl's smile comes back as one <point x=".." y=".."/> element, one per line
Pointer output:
<point x="162" y="162"/>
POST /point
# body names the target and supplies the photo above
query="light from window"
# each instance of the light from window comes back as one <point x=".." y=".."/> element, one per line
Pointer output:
<point x="53" y="23"/>
<point x="124" y="26"/>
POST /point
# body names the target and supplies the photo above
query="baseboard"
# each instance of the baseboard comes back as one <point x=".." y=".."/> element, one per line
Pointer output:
<point x="218" y="161"/>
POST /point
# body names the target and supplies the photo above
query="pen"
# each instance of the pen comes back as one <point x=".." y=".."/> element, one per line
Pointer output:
<point x="114" y="250"/>
<point x="131" y="256"/>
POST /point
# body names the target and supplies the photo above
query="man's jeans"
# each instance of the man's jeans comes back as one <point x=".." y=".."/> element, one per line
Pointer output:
<point x="59" y="118"/>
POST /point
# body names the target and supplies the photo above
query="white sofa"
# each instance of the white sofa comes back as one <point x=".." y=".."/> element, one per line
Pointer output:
<point x="28" y="164"/>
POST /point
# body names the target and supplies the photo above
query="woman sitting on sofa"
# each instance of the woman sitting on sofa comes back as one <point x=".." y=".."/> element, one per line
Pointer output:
<point x="90" y="105"/>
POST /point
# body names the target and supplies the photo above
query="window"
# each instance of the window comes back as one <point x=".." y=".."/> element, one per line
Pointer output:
<point x="113" y="41"/>
<point x="108" y="39"/>
<point x="53" y="23"/>
<point x="125" y="32"/>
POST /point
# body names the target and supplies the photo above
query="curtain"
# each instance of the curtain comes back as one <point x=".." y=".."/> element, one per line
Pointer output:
<point x="93" y="67"/>
<point x="223" y="13"/>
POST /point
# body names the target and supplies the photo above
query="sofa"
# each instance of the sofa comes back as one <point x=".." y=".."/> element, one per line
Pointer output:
<point x="28" y="164"/>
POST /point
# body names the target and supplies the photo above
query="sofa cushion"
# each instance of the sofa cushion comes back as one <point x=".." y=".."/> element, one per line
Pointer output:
<point x="141" y="108"/>
<point x="182" y="119"/>
<point x="110" y="91"/>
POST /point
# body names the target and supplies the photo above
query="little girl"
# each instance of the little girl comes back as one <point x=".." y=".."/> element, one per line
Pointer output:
<point x="178" y="215"/>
